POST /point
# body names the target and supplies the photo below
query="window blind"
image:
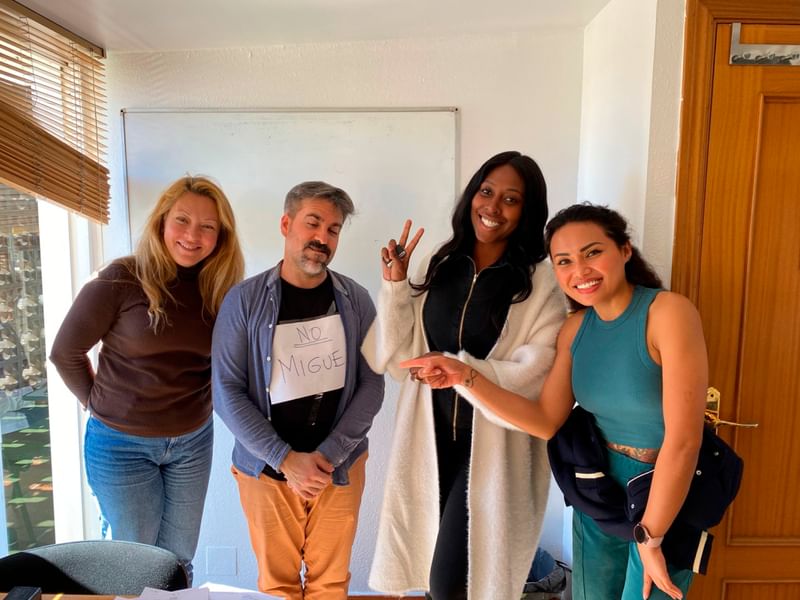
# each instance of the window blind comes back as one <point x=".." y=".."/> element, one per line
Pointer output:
<point x="52" y="115"/>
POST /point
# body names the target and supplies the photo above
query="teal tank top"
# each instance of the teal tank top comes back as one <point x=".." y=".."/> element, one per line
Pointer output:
<point x="614" y="378"/>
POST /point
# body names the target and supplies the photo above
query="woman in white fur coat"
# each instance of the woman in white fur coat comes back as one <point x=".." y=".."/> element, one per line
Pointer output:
<point x="466" y="491"/>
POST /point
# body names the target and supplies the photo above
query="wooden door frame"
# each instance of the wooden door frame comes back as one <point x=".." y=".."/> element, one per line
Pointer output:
<point x="702" y="18"/>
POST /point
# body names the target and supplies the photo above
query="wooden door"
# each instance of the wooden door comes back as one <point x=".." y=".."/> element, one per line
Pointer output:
<point x="747" y="289"/>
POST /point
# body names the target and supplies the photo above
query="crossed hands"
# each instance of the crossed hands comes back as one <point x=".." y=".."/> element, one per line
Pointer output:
<point x="307" y="473"/>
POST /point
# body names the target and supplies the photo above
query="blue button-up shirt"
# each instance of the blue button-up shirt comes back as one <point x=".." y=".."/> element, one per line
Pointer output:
<point x="241" y="368"/>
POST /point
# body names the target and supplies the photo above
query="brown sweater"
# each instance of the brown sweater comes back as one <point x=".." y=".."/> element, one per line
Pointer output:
<point x="147" y="384"/>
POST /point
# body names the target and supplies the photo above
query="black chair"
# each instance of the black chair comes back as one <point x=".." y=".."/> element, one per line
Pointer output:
<point x="94" y="567"/>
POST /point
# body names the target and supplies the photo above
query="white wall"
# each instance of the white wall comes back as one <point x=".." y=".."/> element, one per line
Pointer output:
<point x="617" y="87"/>
<point x="515" y="91"/>
<point x="659" y="209"/>
<point x="633" y="52"/>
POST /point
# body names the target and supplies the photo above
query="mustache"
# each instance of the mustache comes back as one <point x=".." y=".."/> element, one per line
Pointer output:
<point x="319" y="247"/>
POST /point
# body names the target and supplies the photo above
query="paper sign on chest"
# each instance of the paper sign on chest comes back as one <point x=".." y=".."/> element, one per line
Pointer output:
<point x="308" y="358"/>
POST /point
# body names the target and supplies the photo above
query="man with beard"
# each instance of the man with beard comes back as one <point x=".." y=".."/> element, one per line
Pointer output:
<point x="290" y="382"/>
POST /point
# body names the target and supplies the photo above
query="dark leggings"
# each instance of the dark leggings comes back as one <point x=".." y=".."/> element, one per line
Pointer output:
<point x="448" y="578"/>
<point x="449" y="567"/>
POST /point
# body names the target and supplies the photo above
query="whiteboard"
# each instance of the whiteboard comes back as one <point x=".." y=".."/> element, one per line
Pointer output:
<point x="394" y="164"/>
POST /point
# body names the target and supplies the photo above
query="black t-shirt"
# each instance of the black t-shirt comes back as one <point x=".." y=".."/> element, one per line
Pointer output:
<point x="305" y="422"/>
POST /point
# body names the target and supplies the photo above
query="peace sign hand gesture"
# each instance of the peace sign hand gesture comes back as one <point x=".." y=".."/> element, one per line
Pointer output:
<point x="395" y="255"/>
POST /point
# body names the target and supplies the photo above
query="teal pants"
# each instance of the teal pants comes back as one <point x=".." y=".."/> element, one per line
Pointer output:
<point x="607" y="567"/>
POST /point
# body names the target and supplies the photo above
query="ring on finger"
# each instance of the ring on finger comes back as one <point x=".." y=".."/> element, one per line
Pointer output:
<point x="388" y="262"/>
<point x="400" y="251"/>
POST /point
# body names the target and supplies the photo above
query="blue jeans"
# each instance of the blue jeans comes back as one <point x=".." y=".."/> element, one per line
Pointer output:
<point x="151" y="489"/>
<point x="607" y="567"/>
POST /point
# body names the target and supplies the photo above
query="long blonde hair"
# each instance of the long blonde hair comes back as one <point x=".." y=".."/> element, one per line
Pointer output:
<point x="155" y="268"/>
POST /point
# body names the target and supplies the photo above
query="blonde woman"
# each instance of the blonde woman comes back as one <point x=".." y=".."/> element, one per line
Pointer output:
<point x="149" y="438"/>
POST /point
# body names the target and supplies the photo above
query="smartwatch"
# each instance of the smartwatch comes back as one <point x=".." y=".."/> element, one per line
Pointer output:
<point x="643" y="537"/>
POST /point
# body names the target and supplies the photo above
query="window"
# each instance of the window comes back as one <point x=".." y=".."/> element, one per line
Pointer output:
<point x="24" y="415"/>
<point x="52" y="136"/>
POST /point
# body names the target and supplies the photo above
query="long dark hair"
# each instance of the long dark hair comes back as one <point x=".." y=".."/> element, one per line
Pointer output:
<point x="525" y="244"/>
<point x="637" y="270"/>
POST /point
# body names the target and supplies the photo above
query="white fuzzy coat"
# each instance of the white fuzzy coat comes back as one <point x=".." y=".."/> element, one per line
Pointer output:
<point x="509" y="473"/>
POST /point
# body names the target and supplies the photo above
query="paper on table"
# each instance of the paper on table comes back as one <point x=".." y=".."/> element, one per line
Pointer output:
<point x="190" y="594"/>
<point x="220" y="591"/>
<point x="207" y="591"/>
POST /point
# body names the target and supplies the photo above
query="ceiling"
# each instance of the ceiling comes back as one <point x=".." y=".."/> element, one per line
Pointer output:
<point x="155" y="25"/>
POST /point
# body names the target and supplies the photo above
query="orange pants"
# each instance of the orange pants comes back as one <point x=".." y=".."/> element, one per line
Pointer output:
<point x="286" y="530"/>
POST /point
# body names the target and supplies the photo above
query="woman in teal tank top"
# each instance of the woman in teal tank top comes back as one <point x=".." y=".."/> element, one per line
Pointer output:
<point x="634" y="356"/>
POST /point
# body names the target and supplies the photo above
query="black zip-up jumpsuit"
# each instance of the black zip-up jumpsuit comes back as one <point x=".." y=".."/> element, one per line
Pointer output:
<point x="464" y="310"/>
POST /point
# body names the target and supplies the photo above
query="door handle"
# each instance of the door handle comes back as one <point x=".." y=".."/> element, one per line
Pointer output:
<point x="713" y="399"/>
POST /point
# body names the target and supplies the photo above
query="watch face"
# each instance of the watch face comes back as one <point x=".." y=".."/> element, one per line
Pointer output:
<point x="640" y="534"/>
